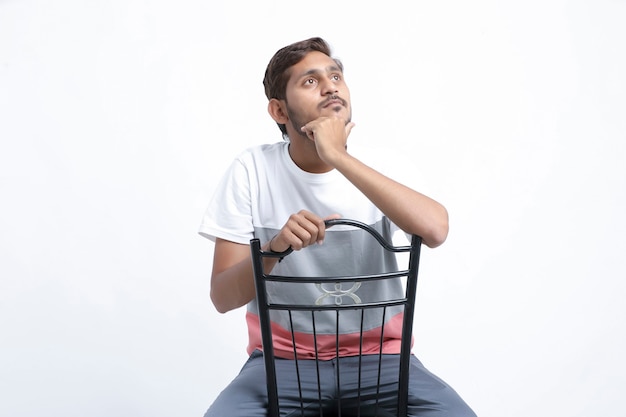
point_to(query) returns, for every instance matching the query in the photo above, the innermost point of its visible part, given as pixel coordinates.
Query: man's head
(278, 70)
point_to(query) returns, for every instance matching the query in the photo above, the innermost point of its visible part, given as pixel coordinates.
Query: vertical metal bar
(337, 361)
(266, 334)
(380, 359)
(295, 358)
(407, 326)
(359, 384)
(317, 365)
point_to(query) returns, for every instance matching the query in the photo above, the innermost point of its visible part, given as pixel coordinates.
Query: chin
(341, 111)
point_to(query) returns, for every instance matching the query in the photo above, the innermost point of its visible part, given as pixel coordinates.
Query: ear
(276, 109)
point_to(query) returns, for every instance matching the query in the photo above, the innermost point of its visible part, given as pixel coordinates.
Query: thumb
(332, 217)
(349, 127)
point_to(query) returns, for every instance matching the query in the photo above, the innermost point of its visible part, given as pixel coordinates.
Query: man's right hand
(302, 229)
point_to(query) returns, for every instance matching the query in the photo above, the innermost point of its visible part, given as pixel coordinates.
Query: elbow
(219, 305)
(437, 238)
(224, 301)
(437, 234)
(221, 310)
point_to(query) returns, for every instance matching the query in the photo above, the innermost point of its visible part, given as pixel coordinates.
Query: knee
(443, 403)
(457, 407)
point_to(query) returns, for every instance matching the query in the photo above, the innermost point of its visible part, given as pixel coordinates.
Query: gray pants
(246, 395)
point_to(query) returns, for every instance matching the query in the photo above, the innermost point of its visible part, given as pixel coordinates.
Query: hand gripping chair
(355, 400)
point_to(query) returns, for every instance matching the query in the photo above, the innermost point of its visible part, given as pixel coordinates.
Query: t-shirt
(254, 199)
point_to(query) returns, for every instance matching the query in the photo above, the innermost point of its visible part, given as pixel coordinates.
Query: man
(282, 193)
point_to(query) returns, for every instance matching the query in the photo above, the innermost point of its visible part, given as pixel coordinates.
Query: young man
(282, 193)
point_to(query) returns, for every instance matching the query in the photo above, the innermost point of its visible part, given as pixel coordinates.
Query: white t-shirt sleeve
(228, 215)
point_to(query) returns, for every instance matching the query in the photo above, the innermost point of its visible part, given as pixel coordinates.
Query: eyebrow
(314, 71)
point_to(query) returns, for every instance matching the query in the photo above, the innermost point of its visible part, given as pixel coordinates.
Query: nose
(329, 87)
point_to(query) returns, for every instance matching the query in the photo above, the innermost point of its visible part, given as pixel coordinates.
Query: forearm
(232, 281)
(233, 287)
(412, 211)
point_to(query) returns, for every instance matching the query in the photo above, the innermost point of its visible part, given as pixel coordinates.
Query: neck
(304, 154)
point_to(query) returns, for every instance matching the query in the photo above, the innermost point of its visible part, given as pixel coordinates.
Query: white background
(118, 117)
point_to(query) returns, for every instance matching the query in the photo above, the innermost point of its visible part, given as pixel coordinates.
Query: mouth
(333, 101)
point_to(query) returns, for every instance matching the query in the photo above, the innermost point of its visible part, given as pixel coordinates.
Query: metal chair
(361, 400)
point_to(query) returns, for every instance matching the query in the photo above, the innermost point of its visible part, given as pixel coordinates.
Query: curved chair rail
(348, 222)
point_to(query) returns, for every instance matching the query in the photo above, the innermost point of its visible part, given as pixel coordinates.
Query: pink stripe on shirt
(348, 343)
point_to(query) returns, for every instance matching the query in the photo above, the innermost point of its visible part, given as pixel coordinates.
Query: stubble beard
(297, 122)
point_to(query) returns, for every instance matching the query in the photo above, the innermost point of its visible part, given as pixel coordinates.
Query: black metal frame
(408, 302)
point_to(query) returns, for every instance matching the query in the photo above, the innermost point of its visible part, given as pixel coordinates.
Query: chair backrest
(332, 308)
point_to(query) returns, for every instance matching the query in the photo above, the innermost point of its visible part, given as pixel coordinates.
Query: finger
(322, 233)
(302, 230)
(349, 127)
(308, 131)
(332, 217)
(315, 226)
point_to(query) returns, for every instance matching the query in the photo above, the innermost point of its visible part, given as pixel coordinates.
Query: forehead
(312, 63)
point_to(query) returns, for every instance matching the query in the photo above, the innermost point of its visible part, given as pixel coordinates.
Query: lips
(333, 102)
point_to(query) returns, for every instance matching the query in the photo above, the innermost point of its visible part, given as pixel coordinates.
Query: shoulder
(256, 159)
(270, 151)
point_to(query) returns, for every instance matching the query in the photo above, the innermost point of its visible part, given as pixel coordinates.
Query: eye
(336, 77)
(310, 81)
